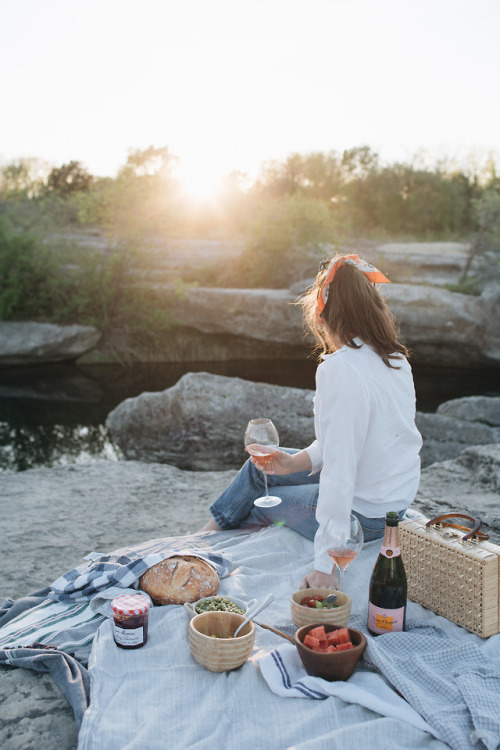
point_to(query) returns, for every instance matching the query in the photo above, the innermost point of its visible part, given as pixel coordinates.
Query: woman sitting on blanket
(365, 458)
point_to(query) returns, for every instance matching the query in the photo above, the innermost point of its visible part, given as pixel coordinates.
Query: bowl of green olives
(219, 603)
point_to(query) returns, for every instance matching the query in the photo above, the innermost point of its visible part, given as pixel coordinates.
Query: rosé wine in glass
(262, 441)
(263, 453)
(342, 544)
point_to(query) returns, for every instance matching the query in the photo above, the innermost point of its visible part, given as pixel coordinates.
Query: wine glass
(262, 441)
(342, 544)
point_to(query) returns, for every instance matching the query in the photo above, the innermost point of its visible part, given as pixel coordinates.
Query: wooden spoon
(278, 632)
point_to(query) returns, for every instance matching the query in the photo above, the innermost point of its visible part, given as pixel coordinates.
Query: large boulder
(446, 437)
(458, 423)
(483, 409)
(23, 343)
(199, 423)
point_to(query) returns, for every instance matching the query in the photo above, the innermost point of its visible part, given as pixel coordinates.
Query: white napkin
(285, 675)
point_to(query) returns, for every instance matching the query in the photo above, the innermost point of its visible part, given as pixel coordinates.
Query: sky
(230, 84)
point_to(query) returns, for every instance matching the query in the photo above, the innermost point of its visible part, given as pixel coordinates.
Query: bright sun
(201, 182)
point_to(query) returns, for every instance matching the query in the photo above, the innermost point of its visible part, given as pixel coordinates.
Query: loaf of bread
(178, 580)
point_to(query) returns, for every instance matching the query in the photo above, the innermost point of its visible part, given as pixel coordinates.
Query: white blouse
(367, 445)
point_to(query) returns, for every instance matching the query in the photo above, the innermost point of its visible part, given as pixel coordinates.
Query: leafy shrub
(486, 238)
(284, 241)
(97, 288)
(30, 277)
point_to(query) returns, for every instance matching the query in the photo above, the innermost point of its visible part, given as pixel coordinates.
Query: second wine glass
(262, 441)
(342, 545)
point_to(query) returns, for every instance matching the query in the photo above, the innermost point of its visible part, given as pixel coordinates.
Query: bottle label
(390, 551)
(126, 637)
(385, 620)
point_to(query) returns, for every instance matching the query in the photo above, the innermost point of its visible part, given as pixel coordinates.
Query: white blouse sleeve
(343, 423)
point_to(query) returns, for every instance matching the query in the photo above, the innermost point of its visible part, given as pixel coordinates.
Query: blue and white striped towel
(124, 567)
(451, 687)
(284, 673)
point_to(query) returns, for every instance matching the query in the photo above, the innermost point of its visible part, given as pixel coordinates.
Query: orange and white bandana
(371, 273)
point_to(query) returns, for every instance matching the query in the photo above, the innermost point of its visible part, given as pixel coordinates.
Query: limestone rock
(23, 343)
(35, 714)
(98, 506)
(483, 409)
(432, 263)
(470, 483)
(199, 423)
(263, 314)
(443, 327)
(440, 327)
(446, 437)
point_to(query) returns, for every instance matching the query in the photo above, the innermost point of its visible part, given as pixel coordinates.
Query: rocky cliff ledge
(440, 326)
(24, 343)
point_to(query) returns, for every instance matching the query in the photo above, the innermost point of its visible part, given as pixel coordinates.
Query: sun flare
(201, 183)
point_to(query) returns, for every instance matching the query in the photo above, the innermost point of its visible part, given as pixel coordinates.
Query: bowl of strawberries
(321, 606)
(329, 651)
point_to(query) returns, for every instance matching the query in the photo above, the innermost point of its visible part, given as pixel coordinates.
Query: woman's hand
(318, 580)
(285, 463)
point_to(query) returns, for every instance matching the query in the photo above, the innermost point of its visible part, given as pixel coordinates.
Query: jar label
(385, 620)
(390, 551)
(126, 637)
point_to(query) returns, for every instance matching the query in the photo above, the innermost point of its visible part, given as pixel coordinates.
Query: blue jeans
(297, 510)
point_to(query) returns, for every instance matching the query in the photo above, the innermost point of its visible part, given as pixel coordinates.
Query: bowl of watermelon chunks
(329, 651)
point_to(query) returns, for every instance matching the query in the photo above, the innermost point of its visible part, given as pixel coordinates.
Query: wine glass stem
(341, 579)
(265, 483)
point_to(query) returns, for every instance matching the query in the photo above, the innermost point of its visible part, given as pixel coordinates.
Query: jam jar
(130, 620)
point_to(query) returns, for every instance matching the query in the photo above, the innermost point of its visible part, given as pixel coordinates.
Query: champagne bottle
(388, 587)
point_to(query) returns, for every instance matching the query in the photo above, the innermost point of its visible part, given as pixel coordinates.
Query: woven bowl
(338, 665)
(308, 616)
(222, 653)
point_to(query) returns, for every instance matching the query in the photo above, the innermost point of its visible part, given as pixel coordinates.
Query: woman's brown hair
(354, 308)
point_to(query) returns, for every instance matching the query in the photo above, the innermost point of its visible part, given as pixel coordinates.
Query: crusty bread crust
(178, 580)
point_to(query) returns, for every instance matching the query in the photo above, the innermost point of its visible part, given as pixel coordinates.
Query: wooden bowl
(307, 615)
(222, 653)
(338, 665)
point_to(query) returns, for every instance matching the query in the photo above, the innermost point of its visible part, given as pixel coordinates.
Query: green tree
(22, 178)
(285, 241)
(29, 276)
(316, 175)
(486, 238)
(69, 178)
(140, 203)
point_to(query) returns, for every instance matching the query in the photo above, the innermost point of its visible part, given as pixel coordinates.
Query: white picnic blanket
(158, 697)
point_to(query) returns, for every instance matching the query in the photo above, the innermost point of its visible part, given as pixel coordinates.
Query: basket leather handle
(474, 532)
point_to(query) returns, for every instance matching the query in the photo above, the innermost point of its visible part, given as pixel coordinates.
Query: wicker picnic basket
(455, 574)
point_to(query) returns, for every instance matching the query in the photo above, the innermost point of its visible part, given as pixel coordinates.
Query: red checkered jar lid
(130, 604)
